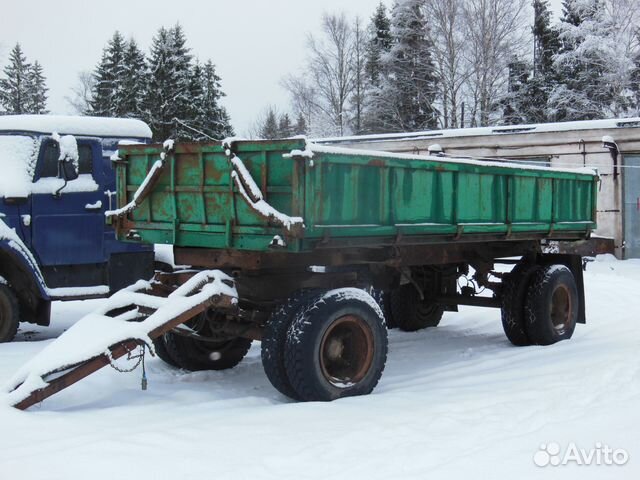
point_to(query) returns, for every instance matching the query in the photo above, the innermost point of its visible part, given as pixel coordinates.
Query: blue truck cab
(54, 241)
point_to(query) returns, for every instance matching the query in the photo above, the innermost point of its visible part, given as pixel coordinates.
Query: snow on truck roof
(75, 125)
(614, 123)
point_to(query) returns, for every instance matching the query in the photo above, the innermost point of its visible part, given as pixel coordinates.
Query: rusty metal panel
(353, 198)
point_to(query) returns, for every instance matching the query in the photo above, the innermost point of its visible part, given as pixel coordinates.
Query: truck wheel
(551, 308)
(383, 300)
(410, 313)
(274, 338)
(161, 351)
(336, 346)
(195, 355)
(514, 293)
(9, 314)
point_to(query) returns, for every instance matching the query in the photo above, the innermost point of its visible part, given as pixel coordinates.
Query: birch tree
(495, 34)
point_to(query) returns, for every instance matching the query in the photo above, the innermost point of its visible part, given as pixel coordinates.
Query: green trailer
(328, 247)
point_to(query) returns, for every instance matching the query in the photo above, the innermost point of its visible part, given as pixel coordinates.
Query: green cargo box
(246, 195)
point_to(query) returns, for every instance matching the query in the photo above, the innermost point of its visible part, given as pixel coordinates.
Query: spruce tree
(516, 102)
(269, 129)
(167, 101)
(530, 84)
(582, 91)
(285, 129)
(545, 38)
(135, 78)
(406, 99)
(109, 93)
(379, 43)
(14, 89)
(215, 119)
(37, 90)
(300, 128)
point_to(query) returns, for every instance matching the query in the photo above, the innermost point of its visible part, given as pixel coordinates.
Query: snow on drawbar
(97, 334)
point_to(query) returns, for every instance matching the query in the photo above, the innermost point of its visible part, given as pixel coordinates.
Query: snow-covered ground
(457, 401)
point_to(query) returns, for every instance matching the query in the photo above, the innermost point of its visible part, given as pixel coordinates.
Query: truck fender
(20, 270)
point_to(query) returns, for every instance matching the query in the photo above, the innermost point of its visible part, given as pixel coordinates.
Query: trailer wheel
(9, 314)
(336, 346)
(195, 355)
(161, 351)
(514, 294)
(274, 338)
(410, 313)
(384, 301)
(551, 307)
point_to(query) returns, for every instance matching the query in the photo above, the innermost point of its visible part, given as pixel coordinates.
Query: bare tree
(303, 98)
(496, 33)
(448, 31)
(359, 61)
(330, 79)
(82, 93)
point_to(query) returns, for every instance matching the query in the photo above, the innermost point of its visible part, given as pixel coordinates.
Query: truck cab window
(85, 162)
(49, 167)
(51, 155)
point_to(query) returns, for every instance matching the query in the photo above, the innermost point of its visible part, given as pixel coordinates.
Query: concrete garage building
(611, 146)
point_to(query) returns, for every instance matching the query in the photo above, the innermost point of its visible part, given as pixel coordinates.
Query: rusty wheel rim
(561, 309)
(346, 351)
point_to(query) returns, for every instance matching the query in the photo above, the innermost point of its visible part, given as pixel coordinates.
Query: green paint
(360, 200)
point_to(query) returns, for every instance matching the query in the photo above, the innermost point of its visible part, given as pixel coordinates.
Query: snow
(247, 179)
(94, 206)
(61, 292)
(265, 209)
(456, 160)
(96, 332)
(84, 183)
(168, 144)
(482, 131)
(18, 156)
(253, 196)
(158, 164)
(16, 243)
(306, 153)
(454, 402)
(76, 125)
(68, 148)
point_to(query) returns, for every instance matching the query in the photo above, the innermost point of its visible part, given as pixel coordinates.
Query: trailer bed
(294, 196)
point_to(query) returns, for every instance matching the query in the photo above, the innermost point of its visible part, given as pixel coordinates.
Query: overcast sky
(253, 43)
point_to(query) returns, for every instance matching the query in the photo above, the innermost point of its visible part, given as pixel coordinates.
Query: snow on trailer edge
(316, 148)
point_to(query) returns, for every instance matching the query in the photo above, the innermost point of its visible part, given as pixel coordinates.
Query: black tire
(336, 346)
(514, 295)
(161, 351)
(195, 355)
(9, 314)
(410, 313)
(551, 308)
(383, 300)
(274, 339)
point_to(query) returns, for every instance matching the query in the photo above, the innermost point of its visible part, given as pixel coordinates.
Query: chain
(139, 357)
(140, 361)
